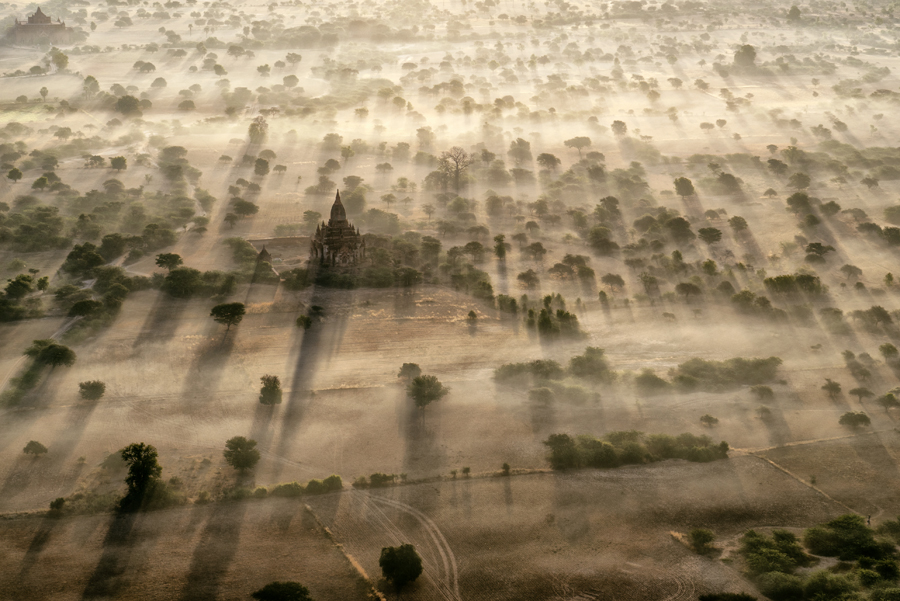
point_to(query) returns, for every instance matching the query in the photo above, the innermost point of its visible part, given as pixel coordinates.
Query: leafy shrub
(702, 374)
(632, 447)
(780, 587)
(779, 553)
(539, 369)
(287, 489)
(854, 420)
(92, 390)
(701, 540)
(825, 585)
(886, 594)
(847, 538)
(295, 279)
(378, 479)
(649, 383)
(34, 448)
(591, 365)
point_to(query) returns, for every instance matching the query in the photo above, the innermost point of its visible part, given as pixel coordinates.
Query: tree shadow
(109, 576)
(162, 320)
(543, 416)
(14, 423)
(313, 347)
(64, 444)
(507, 494)
(570, 508)
(405, 303)
(283, 513)
(748, 241)
(776, 425)
(20, 477)
(693, 206)
(35, 548)
(204, 376)
(502, 278)
(420, 429)
(214, 552)
(261, 429)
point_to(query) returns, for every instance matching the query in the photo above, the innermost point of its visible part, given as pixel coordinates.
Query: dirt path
(807, 484)
(445, 576)
(438, 559)
(797, 443)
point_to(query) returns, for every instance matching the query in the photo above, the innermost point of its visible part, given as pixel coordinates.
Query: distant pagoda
(39, 29)
(337, 243)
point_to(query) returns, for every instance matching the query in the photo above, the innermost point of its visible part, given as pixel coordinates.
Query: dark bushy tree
(143, 473)
(270, 393)
(228, 314)
(34, 448)
(684, 187)
(282, 591)
(92, 390)
(409, 371)
(426, 389)
(701, 540)
(48, 352)
(400, 565)
(241, 453)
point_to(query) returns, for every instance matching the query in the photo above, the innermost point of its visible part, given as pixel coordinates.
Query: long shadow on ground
(109, 576)
(35, 548)
(162, 319)
(215, 552)
(316, 345)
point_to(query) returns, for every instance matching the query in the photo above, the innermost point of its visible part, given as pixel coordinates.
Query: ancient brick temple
(337, 243)
(39, 29)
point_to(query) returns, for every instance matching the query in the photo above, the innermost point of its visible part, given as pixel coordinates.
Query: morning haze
(449, 300)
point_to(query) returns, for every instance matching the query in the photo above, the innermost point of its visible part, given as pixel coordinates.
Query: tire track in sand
(445, 576)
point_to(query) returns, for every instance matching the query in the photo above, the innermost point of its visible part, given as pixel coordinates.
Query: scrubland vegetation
(616, 255)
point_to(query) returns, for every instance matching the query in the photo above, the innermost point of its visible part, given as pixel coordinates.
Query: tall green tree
(144, 471)
(684, 187)
(168, 261)
(832, 388)
(409, 371)
(710, 235)
(49, 352)
(228, 314)
(578, 143)
(270, 393)
(425, 389)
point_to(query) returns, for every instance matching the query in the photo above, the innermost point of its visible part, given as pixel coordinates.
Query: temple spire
(338, 214)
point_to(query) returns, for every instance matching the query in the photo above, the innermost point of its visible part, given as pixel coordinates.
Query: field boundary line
(800, 443)
(807, 484)
(373, 592)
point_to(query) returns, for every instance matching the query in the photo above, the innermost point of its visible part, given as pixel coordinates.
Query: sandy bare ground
(174, 380)
(221, 551)
(589, 535)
